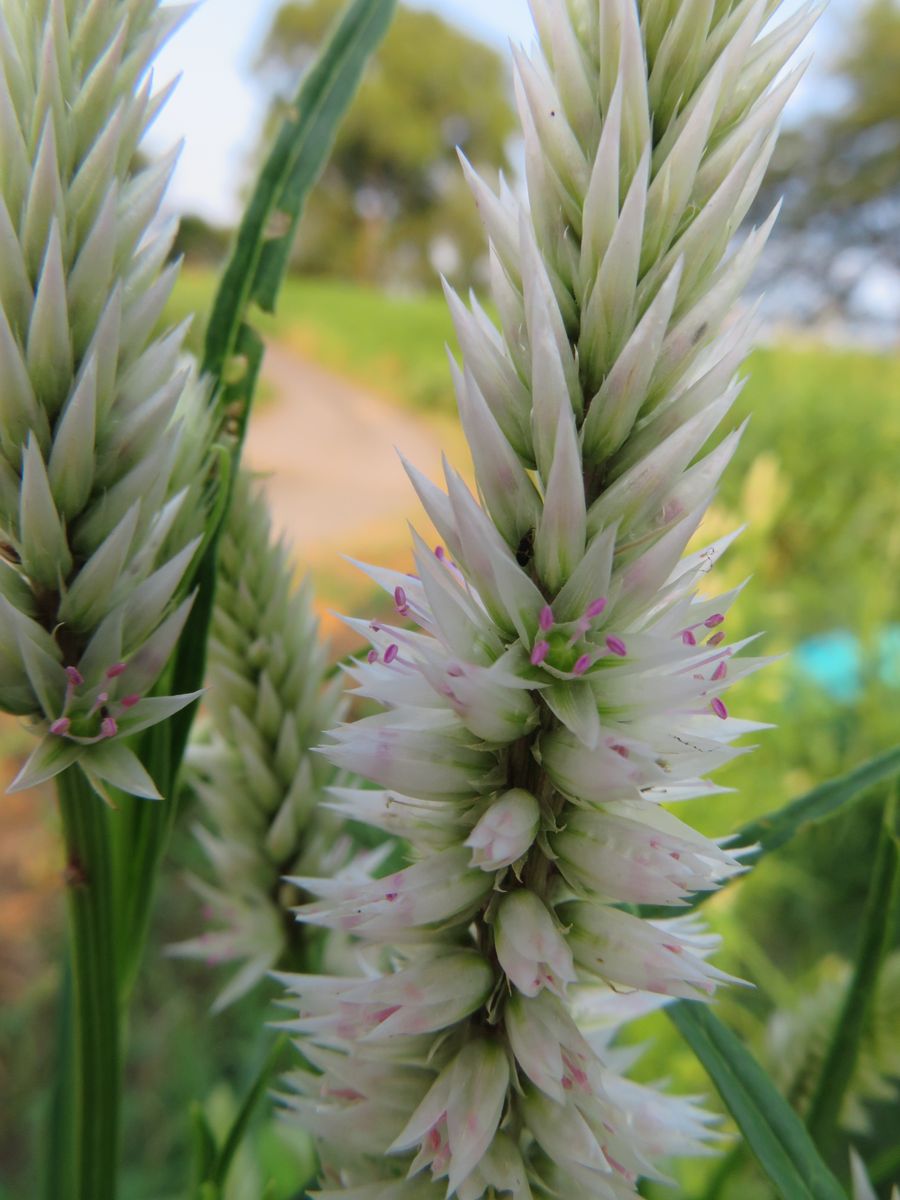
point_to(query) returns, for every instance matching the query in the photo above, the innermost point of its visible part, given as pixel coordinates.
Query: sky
(217, 109)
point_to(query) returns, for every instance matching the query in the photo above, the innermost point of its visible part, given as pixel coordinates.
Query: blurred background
(357, 367)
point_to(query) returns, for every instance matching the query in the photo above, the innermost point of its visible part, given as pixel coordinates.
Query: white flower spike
(565, 678)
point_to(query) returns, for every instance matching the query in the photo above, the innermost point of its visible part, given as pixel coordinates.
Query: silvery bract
(563, 658)
(100, 492)
(253, 771)
(862, 1186)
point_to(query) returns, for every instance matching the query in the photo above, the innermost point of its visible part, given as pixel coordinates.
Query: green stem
(843, 1052)
(93, 1108)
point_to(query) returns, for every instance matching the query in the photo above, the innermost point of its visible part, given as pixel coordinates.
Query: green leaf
(242, 1120)
(822, 803)
(770, 1127)
(843, 1051)
(203, 1156)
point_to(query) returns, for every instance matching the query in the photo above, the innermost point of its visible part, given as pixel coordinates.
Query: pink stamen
(401, 602)
(546, 618)
(455, 671)
(719, 709)
(75, 676)
(130, 701)
(596, 607)
(115, 671)
(390, 896)
(582, 665)
(688, 638)
(391, 653)
(714, 620)
(539, 653)
(440, 553)
(720, 672)
(61, 727)
(108, 727)
(716, 639)
(622, 751)
(616, 646)
(372, 656)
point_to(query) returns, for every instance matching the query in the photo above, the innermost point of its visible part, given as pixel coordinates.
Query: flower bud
(530, 946)
(506, 831)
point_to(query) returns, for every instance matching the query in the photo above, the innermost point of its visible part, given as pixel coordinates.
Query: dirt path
(328, 451)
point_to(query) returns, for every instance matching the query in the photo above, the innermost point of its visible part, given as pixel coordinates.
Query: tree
(391, 202)
(840, 172)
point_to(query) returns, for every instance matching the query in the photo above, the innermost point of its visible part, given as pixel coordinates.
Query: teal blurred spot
(836, 662)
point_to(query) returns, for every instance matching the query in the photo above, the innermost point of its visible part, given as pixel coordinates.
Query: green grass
(394, 344)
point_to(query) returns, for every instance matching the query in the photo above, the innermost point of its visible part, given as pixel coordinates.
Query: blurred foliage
(200, 243)
(839, 172)
(392, 203)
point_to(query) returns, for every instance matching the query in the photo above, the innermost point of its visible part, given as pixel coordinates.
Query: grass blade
(770, 1127)
(822, 803)
(843, 1051)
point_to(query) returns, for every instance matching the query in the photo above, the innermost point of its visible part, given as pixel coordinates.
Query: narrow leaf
(770, 1127)
(841, 1058)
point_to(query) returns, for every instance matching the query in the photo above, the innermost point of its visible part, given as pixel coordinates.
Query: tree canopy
(392, 202)
(840, 171)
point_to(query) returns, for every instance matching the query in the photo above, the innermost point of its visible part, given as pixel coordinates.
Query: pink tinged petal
(719, 709)
(480, 1082)
(530, 946)
(539, 653)
(616, 646)
(546, 618)
(506, 831)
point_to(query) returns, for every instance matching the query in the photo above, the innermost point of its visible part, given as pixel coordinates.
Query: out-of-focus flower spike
(259, 785)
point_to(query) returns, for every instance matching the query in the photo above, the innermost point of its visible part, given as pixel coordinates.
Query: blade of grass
(843, 1050)
(770, 1127)
(239, 1126)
